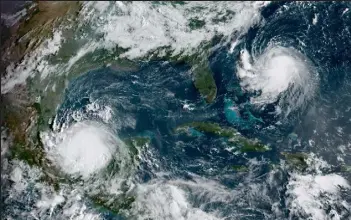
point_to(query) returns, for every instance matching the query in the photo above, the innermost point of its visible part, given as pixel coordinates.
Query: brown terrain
(19, 113)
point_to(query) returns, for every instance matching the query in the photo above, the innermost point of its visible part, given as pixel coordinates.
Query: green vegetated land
(233, 136)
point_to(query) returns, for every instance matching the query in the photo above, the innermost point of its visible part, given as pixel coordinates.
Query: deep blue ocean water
(154, 96)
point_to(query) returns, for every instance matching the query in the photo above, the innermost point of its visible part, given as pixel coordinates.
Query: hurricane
(83, 149)
(278, 74)
(176, 110)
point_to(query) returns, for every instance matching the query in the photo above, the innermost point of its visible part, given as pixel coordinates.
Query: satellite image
(174, 110)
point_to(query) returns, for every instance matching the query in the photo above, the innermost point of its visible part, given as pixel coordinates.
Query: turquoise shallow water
(154, 96)
(149, 102)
